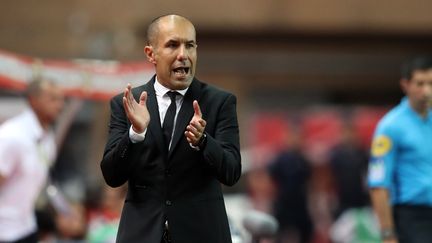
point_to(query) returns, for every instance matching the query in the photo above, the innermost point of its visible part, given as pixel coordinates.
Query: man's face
(419, 88)
(48, 103)
(174, 52)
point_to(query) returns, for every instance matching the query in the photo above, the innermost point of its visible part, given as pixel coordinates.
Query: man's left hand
(195, 129)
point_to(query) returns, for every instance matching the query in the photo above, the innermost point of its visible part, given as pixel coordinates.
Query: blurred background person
(72, 226)
(104, 218)
(400, 167)
(27, 150)
(348, 163)
(290, 172)
(352, 215)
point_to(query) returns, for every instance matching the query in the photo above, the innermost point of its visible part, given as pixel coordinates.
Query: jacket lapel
(185, 114)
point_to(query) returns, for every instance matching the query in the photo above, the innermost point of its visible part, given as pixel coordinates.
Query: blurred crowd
(93, 220)
(307, 168)
(310, 175)
(317, 192)
(313, 201)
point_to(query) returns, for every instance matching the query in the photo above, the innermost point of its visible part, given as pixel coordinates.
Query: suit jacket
(182, 185)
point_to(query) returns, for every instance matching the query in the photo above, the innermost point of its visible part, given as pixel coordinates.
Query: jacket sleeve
(117, 161)
(222, 152)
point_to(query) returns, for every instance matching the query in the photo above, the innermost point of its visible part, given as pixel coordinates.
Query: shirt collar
(162, 90)
(405, 103)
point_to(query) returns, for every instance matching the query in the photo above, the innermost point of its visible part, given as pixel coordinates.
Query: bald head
(46, 99)
(154, 27)
(35, 87)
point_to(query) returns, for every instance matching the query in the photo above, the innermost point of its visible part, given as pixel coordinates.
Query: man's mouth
(181, 70)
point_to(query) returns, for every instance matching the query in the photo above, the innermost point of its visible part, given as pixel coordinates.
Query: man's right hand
(137, 113)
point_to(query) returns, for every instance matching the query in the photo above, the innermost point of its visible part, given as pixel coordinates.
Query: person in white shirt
(27, 149)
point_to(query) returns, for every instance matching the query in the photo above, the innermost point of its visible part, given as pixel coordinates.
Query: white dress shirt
(163, 101)
(26, 152)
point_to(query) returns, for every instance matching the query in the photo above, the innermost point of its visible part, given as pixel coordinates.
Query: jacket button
(168, 203)
(123, 153)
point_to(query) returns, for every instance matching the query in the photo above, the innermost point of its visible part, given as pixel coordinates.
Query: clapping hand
(136, 112)
(195, 129)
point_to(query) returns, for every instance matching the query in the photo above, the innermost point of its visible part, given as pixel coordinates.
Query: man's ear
(404, 84)
(148, 50)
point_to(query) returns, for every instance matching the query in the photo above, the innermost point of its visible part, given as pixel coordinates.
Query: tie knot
(172, 95)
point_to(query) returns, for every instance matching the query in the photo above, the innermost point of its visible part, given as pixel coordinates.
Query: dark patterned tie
(168, 123)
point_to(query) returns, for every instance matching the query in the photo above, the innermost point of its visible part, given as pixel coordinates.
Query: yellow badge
(381, 145)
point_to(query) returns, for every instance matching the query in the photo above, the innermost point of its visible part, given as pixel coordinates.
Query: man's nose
(427, 91)
(182, 53)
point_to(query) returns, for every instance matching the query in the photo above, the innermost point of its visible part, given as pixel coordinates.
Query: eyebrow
(181, 40)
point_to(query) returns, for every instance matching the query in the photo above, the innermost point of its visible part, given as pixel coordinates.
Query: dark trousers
(413, 223)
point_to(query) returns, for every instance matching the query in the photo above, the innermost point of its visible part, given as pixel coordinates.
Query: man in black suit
(174, 140)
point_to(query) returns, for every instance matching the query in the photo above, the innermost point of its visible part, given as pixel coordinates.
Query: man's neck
(43, 123)
(420, 109)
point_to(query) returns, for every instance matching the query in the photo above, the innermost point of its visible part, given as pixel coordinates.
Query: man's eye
(172, 45)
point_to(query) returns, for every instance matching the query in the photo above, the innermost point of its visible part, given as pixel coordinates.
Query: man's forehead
(179, 39)
(177, 35)
(175, 29)
(422, 74)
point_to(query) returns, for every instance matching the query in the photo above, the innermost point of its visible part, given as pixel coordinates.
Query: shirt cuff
(201, 143)
(136, 137)
(196, 148)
